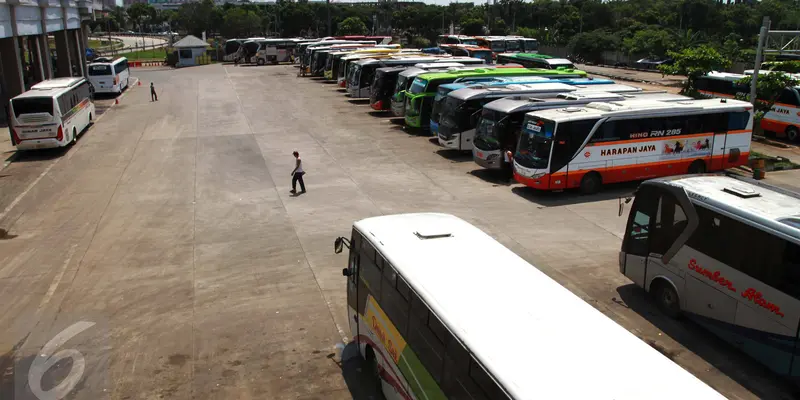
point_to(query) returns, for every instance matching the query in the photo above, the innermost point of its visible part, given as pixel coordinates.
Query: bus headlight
(538, 175)
(492, 157)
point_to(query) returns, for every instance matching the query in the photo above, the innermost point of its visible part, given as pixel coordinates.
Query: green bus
(419, 97)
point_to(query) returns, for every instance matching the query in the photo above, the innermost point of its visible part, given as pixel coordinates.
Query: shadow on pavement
(547, 198)
(362, 386)
(703, 343)
(494, 177)
(358, 101)
(453, 155)
(40, 155)
(380, 114)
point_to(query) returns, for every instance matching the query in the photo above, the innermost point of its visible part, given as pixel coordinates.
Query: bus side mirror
(622, 204)
(346, 272)
(339, 244)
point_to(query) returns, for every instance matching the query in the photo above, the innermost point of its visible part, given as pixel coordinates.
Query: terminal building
(27, 30)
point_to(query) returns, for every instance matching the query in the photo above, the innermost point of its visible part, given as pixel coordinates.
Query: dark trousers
(298, 177)
(153, 96)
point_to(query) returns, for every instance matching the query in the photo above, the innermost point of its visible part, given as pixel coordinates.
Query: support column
(63, 56)
(80, 41)
(37, 64)
(47, 61)
(12, 67)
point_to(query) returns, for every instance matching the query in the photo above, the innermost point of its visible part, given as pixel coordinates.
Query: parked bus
(231, 49)
(332, 65)
(274, 51)
(249, 49)
(529, 60)
(305, 58)
(496, 43)
(497, 130)
(466, 50)
(406, 78)
(585, 147)
(723, 252)
(456, 39)
(441, 310)
(461, 109)
(52, 114)
(109, 77)
(385, 81)
(319, 56)
(444, 90)
(516, 44)
(419, 98)
(783, 119)
(364, 71)
(348, 62)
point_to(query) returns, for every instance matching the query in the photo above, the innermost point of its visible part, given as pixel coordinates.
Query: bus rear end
(35, 122)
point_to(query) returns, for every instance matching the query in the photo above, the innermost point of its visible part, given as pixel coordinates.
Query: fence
(155, 42)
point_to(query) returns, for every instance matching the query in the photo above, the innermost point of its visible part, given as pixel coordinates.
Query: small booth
(191, 50)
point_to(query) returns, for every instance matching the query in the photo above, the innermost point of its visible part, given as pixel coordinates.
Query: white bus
(725, 252)
(783, 119)
(607, 142)
(441, 310)
(109, 77)
(52, 114)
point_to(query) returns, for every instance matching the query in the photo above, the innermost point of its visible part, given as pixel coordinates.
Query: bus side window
(423, 339)
(701, 83)
(788, 96)
(485, 382)
(790, 265)
(395, 306)
(738, 120)
(715, 123)
(637, 241)
(569, 139)
(712, 236)
(670, 222)
(456, 382)
(370, 270)
(355, 247)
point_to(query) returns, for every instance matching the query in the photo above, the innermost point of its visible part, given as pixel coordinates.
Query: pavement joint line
(328, 304)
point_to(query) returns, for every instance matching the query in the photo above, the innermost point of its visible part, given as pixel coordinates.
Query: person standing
(297, 174)
(153, 94)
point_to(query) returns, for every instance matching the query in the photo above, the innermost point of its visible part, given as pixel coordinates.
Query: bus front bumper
(535, 178)
(413, 121)
(490, 159)
(451, 143)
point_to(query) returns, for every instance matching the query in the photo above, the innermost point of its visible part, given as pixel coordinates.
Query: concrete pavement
(170, 226)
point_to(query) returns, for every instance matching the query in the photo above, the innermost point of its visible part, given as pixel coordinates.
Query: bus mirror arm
(339, 243)
(622, 204)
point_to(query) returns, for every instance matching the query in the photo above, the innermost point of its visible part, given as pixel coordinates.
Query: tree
(241, 23)
(140, 12)
(694, 63)
(499, 27)
(352, 26)
(420, 42)
(768, 88)
(652, 42)
(472, 26)
(591, 45)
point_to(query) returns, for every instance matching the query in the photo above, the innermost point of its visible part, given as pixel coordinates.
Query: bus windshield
(512, 45)
(418, 86)
(487, 133)
(400, 85)
(472, 42)
(97, 70)
(32, 105)
(498, 46)
(533, 150)
(484, 55)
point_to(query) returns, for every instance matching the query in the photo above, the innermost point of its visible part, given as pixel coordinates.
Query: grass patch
(150, 54)
(773, 163)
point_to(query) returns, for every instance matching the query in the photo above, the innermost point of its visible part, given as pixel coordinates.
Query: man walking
(297, 174)
(153, 94)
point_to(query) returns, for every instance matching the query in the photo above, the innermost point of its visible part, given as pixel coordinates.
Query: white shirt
(299, 166)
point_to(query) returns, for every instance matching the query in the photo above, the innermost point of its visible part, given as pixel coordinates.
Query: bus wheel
(260, 61)
(697, 167)
(666, 298)
(591, 182)
(792, 133)
(90, 117)
(74, 136)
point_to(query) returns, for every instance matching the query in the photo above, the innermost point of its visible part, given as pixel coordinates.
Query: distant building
(128, 3)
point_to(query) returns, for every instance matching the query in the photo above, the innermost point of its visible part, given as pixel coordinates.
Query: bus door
(568, 139)
(353, 283)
